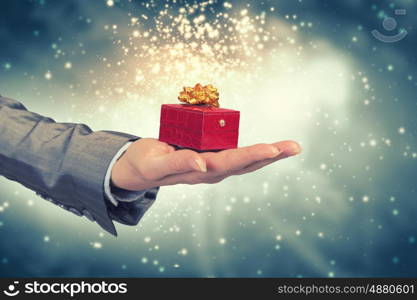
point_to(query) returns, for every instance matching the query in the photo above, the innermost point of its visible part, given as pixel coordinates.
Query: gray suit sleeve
(65, 163)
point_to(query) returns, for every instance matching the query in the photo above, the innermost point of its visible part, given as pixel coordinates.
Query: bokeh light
(344, 207)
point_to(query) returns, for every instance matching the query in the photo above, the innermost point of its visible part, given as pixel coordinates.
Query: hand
(149, 163)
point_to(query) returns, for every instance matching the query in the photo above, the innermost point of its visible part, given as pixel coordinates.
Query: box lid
(199, 118)
(201, 108)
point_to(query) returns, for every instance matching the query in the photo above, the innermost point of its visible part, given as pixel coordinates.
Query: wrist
(123, 174)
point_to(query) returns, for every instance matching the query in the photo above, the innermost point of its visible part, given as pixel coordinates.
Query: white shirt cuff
(107, 190)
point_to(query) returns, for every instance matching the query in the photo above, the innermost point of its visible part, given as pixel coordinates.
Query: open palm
(149, 163)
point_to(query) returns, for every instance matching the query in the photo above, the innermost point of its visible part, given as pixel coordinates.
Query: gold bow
(200, 95)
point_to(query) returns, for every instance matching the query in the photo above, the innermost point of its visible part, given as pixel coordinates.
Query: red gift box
(199, 127)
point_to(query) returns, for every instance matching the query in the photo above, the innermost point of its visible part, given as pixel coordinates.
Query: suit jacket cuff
(88, 166)
(127, 207)
(130, 212)
(107, 178)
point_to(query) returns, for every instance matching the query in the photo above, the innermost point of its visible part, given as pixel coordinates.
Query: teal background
(345, 207)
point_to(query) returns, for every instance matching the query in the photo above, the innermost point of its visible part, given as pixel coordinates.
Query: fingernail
(293, 149)
(275, 151)
(201, 165)
(296, 148)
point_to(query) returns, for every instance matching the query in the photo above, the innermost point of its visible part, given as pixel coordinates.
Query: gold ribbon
(200, 95)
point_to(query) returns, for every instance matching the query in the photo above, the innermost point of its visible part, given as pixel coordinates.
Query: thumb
(176, 162)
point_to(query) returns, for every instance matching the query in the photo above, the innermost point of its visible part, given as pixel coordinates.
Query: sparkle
(68, 65)
(401, 130)
(168, 48)
(48, 75)
(96, 245)
(136, 33)
(183, 252)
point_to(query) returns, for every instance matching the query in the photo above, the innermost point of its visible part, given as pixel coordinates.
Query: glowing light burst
(282, 85)
(184, 47)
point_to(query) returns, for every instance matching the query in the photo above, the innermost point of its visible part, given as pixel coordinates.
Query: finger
(193, 177)
(258, 165)
(174, 163)
(235, 159)
(170, 148)
(288, 149)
